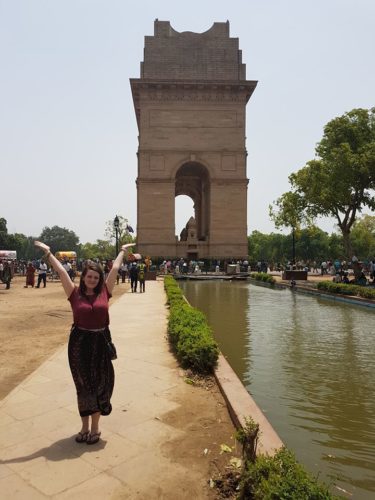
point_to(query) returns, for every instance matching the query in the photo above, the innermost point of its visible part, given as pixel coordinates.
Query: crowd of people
(37, 271)
(134, 271)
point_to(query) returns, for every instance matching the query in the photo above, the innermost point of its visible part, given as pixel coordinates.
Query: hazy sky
(68, 133)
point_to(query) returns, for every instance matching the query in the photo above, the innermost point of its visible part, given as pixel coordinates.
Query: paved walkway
(39, 458)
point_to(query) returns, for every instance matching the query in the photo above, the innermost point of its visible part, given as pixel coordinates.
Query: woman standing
(30, 275)
(89, 359)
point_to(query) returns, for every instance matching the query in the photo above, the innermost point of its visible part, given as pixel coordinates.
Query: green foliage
(289, 211)
(266, 278)
(363, 237)
(24, 245)
(340, 181)
(3, 225)
(311, 244)
(59, 238)
(102, 249)
(248, 436)
(280, 477)
(269, 247)
(189, 333)
(3, 234)
(123, 233)
(347, 289)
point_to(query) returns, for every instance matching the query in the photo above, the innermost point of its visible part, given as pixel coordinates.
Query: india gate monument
(190, 105)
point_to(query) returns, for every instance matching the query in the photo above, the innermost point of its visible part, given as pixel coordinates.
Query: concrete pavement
(39, 457)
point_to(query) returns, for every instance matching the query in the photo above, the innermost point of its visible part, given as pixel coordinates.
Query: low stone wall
(241, 405)
(294, 275)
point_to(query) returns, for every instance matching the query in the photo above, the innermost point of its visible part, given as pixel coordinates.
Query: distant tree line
(61, 238)
(311, 243)
(314, 244)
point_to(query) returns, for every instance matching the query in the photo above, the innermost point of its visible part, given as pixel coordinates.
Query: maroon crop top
(90, 312)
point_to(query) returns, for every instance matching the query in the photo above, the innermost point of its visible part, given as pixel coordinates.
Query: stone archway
(192, 179)
(190, 104)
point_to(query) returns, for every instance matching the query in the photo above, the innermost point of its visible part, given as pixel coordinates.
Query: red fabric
(30, 276)
(90, 312)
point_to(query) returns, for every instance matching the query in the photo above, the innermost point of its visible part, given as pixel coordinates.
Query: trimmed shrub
(189, 334)
(280, 476)
(266, 278)
(347, 289)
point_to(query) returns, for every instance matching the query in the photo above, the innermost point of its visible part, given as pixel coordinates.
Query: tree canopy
(59, 238)
(311, 244)
(123, 234)
(340, 181)
(363, 237)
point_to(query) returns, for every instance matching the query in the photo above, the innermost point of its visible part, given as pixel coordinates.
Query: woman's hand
(42, 246)
(128, 245)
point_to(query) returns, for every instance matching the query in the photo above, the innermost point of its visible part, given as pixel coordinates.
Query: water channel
(309, 363)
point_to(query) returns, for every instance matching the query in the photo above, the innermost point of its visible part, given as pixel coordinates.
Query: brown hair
(92, 266)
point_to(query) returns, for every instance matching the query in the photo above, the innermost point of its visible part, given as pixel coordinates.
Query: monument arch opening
(192, 179)
(184, 209)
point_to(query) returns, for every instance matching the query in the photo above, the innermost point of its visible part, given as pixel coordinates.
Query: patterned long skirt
(92, 371)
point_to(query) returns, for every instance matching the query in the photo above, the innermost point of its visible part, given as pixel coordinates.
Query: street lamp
(116, 225)
(293, 247)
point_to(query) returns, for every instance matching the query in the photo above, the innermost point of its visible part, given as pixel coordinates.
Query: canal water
(309, 363)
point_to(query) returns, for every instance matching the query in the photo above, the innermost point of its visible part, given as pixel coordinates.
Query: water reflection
(310, 365)
(225, 307)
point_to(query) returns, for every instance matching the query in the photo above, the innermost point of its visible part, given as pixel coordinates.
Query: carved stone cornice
(190, 91)
(168, 180)
(189, 152)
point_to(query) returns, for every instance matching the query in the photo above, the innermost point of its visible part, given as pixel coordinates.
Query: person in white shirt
(123, 271)
(42, 274)
(67, 266)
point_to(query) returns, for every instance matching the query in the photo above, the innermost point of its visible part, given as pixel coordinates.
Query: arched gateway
(190, 105)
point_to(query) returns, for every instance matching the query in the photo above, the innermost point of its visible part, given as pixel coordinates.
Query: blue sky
(68, 134)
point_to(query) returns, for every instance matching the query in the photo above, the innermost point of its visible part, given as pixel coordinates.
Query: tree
(24, 245)
(59, 238)
(363, 237)
(340, 181)
(288, 211)
(3, 234)
(123, 233)
(269, 247)
(313, 244)
(102, 250)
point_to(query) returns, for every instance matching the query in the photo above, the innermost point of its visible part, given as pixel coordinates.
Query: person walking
(141, 277)
(133, 273)
(123, 271)
(6, 275)
(89, 358)
(42, 274)
(30, 275)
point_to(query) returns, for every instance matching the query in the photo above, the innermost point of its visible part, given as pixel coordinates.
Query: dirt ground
(34, 323)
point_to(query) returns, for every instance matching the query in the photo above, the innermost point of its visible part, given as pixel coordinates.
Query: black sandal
(93, 438)
(82, 437)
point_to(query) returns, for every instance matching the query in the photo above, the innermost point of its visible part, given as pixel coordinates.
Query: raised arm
(56, 264)
(111, 279)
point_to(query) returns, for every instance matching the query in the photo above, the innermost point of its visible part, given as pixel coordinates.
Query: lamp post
(293, 247)
(116, 225)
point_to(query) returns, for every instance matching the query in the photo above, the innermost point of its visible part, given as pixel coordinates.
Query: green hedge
(189, 333)
(347, 289)
(266, 278)
(280, 476)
